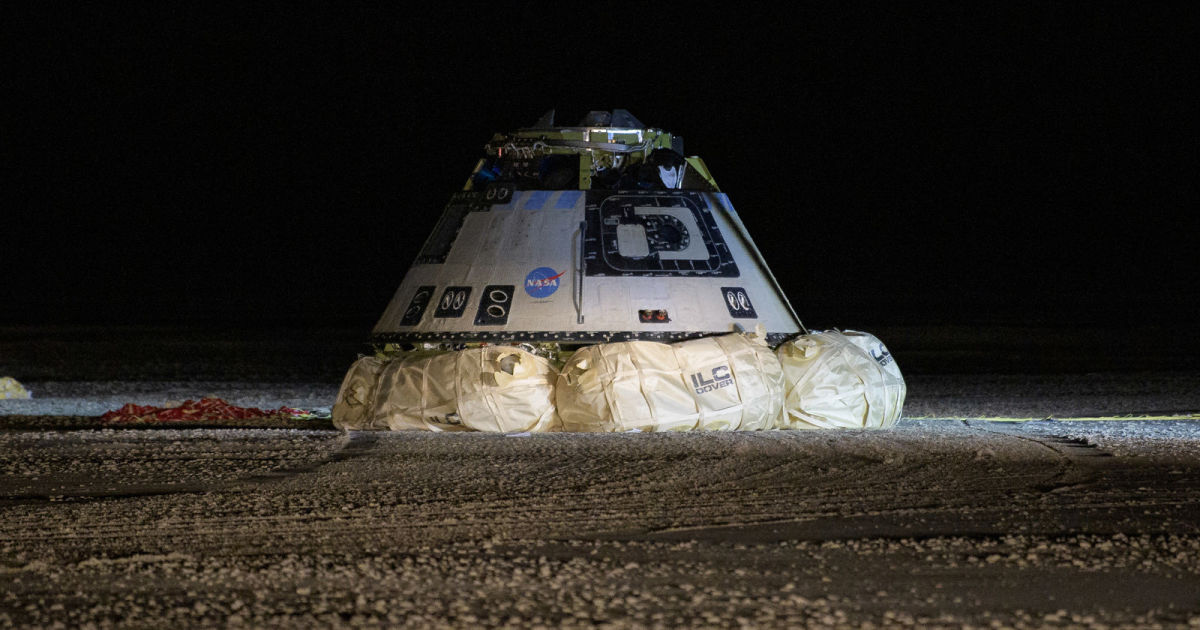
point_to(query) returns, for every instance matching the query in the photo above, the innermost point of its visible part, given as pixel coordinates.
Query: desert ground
(953, 518)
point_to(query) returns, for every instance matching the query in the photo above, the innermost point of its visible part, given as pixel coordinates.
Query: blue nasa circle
(542, 282)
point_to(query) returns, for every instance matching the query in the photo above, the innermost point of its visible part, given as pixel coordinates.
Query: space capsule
(586, 278)
(573, 235)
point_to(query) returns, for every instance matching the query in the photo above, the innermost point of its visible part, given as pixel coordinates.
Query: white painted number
(738, 301)
(453, 300)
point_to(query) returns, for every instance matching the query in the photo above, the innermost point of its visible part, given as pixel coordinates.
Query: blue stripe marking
(567, 200)
(536, 200)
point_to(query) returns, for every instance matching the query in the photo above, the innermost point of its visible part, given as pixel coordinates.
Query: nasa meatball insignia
(542, 282)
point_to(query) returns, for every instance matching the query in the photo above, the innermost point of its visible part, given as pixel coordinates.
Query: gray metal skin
(573, 267)
(511, 264)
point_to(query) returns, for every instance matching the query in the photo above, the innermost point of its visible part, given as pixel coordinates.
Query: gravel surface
(933, 524)
(94, 398)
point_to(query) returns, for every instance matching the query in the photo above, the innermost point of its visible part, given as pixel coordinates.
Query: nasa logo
(542, 282)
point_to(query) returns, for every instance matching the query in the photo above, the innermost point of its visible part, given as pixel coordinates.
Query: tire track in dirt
(350, 446)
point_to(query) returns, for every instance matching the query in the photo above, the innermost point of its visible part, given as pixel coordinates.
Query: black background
(1026, 164)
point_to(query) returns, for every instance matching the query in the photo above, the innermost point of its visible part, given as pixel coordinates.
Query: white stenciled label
(717, 378)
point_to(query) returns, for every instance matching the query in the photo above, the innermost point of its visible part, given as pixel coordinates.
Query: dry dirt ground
(945, 522)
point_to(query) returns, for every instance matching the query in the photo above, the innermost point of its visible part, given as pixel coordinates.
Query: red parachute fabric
(206, 410)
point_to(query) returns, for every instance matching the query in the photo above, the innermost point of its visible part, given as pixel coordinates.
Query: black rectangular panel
(495, 304)
(454, 302)
(416, 307)
(654, 233)
(437, 246)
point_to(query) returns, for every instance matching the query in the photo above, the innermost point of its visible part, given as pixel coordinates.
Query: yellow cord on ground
(1122, 418)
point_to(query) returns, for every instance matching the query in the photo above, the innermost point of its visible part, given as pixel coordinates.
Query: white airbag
(493, 388)
(732, 382)
(840, 380)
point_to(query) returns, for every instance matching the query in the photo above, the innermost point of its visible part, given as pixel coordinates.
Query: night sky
(895, 165)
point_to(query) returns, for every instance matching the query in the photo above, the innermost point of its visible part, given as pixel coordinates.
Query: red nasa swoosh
(541, 282)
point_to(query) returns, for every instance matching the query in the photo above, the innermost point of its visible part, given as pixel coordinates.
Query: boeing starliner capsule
(593, 278)
(566, 236)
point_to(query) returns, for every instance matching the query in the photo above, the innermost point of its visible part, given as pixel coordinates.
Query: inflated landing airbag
(493, 388)
(732, 382)
(728, 383)
(840, 380)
